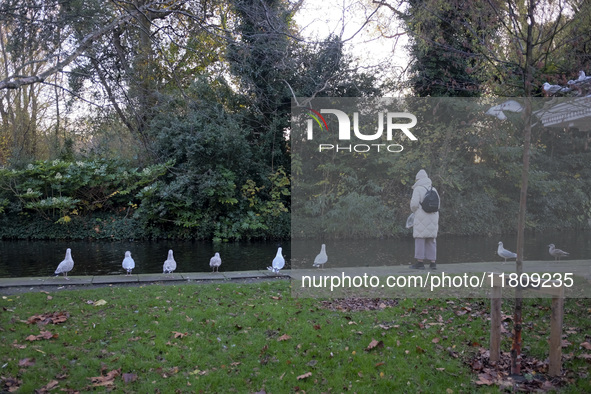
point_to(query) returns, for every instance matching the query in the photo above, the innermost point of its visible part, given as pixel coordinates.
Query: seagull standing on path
(169, 264)
(557, 253)
(321, 258)
(66, 265)
(128, 263)
(504, 253)
(278, 262)
(215, 262)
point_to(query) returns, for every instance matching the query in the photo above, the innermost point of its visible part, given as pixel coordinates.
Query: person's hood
(422, 179)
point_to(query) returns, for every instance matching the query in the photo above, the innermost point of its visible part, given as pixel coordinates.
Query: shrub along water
(109, 199)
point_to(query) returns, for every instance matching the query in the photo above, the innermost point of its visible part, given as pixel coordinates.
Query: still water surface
(40, 258)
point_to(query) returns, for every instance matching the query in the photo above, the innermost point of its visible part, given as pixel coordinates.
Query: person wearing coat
(425, 225)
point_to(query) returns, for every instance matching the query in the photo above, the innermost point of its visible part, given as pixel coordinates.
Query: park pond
(40, 258)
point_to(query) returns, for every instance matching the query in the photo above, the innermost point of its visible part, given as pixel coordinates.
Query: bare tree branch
(16, 81)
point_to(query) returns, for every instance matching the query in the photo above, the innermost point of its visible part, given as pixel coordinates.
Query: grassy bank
(253, 337)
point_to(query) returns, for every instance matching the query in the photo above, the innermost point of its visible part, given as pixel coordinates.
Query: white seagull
(66, 265)
(215, 262)
(278, 262)
(169, 264)
(582, 77)
(551, 89)
(321, 258)
(128, 263)
(510, 105)
(504, 253)
(557, 253)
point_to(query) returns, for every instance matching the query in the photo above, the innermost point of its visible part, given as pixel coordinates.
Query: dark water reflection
(40, 258)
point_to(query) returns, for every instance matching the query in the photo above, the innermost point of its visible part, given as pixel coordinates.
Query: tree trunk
(527, 125)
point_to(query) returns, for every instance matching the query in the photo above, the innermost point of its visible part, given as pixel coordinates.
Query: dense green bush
(107, 199)
(73, 199)
(218, 187)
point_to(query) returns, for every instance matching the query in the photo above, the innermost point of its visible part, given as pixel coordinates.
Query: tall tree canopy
(201, 87)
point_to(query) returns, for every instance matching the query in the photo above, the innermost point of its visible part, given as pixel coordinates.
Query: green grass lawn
(248, 338)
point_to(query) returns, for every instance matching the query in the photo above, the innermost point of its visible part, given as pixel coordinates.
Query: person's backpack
(430, 202)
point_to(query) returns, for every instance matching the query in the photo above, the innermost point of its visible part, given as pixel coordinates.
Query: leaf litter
(533, 376)
(47, 318)
(358, 304)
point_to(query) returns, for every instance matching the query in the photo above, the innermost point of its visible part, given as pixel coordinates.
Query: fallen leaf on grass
(48, 387)
(565, 343)
(47, 335)
(452, 353)
(586, 345)
(129, 377)
(374, 344)
(283, 337)
(42, 335)
(16, 345)
(476, 365)
(100, 303)
(11, 385)
(107, 380)
(304, 376)
(26, 362)
(484, 378)
(358, 304)
(435, 340)
(46, 318)
(179, 334)
(169, 372)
